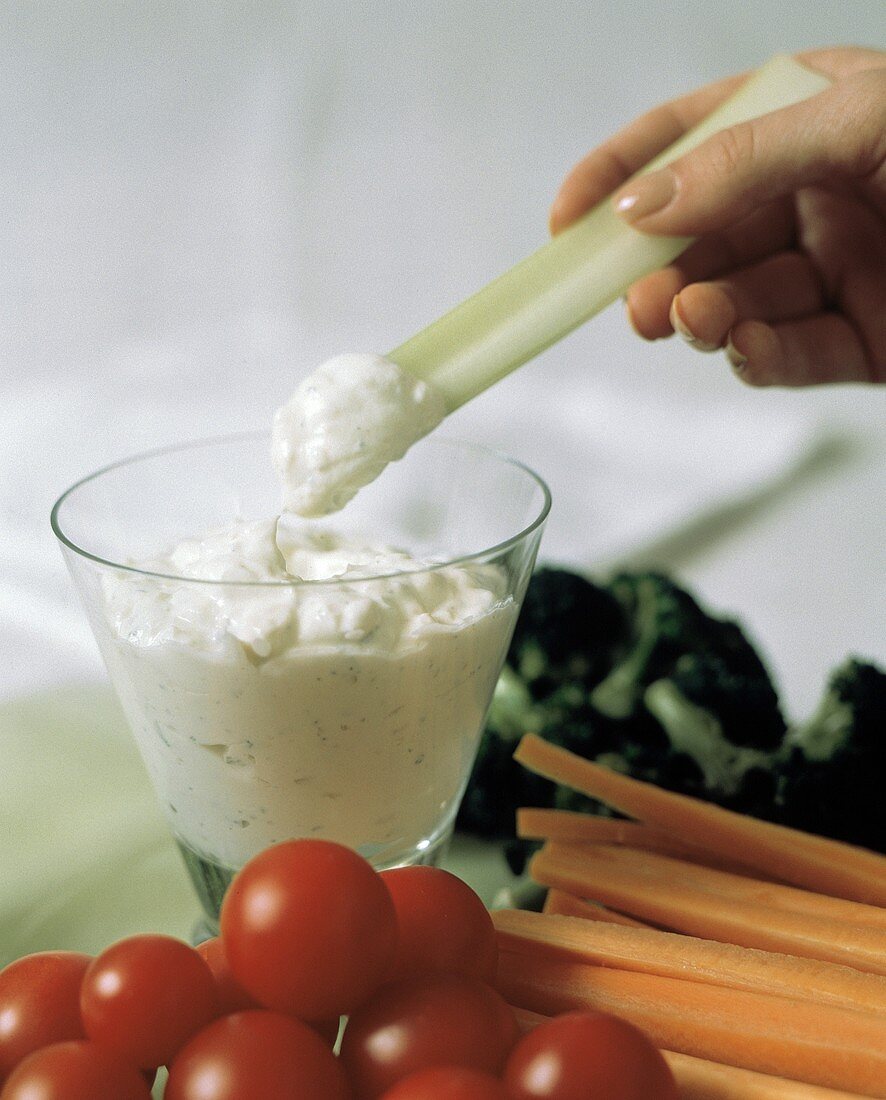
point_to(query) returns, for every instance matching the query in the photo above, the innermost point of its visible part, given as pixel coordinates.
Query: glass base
(211, 880)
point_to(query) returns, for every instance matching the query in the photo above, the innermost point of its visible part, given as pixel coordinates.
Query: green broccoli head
(735, 689)
(723, 729)
(565, 631)
(635, 675)
(830, 779)
(665, 624)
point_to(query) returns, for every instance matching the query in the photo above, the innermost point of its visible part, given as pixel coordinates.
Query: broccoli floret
(664, 622)
(635, 675)
(720, 720)
(565, 631)
(666, 625)
(831, 777)
(736, 690)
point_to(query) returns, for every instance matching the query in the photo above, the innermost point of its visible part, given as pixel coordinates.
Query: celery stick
(579, 272)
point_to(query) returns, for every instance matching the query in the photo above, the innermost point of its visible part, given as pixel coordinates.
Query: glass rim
(243, 437)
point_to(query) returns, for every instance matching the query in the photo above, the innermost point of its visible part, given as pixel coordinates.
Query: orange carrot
(827, 866)
(699, 1079)
(725, 884)
(535, 823)
(650, 951)
(654, 896)
(814, 1043)
(559, 903)
(575, 826)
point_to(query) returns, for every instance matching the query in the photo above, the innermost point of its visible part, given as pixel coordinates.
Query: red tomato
(145, 996)
(309, 928)
(77, 1070)
(433, 1020)
(257, 1054)
(583, 1054)
(448, 1083)
(231, 996)
(442, 924)
(39, 1004)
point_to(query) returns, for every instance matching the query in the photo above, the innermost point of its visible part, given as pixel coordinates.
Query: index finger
(610, 164)
(607, 167)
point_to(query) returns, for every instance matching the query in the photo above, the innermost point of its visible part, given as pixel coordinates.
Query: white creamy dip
(346, 421)
(344, 707)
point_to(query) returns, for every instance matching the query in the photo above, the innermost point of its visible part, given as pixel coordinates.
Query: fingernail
(736, 359)
(646, 195)
(554, 215)
(678, 324)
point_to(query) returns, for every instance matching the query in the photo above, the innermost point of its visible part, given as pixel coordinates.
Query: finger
(784, 287)
(809, 352)
(841, 61)
(836, 135)
(771, 229)
(849, 240)
(608, 166)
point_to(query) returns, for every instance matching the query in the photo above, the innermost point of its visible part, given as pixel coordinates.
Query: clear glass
(349, 738)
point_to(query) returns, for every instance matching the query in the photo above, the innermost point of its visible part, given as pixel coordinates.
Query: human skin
(788, 269)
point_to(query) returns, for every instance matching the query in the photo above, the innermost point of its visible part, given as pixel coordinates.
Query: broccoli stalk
(698, 733)
(664, 622)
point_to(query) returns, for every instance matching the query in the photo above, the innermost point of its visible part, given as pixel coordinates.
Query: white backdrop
(202, 200)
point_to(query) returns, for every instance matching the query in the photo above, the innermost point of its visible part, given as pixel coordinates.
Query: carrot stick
(699, 1079)
(649, 951)
(578, 827)
(814, 1043)
(560, 903)
(827, 866)
(656, 898)
(535, 823)
(574, 826)
(725, 884)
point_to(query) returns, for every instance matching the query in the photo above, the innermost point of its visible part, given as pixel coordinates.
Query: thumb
(837, 135)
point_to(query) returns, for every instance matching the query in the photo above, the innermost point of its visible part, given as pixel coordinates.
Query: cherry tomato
(309, 928)
(256, 1054)
(39, 1004)
(448, 1083)
(582, 1054)
(145, 996)
(442, 924)
(232, 997)
(78, 1070)
(432, 1020)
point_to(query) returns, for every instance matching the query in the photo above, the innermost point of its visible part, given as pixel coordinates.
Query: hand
(789, 269)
